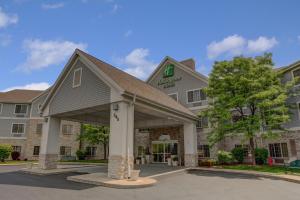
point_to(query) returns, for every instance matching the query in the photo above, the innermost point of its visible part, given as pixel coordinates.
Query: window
(67, 129)
(141, 151)
(65, 151)
(39, 128)
(296, 74)
(174, 96)
(77, 77)
(203, 151)
(91, 151)
(245, 147)
(18, 129)
(21, 109)
(17, 149)
(194, 96)
(1, 106)
(36, 150)
(202, 122)
(278, 150)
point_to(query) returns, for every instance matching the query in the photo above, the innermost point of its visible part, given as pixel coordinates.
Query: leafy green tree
(95, 135)
(5, 151)
(248, 99)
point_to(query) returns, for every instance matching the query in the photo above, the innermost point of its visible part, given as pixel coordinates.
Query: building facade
(164, 116)
(21, 125)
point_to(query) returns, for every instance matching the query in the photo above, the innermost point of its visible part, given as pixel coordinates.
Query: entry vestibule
(162, 150)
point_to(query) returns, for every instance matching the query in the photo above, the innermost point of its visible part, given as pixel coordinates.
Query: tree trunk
(252, 149)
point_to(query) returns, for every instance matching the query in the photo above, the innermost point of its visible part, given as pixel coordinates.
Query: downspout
(128, 163)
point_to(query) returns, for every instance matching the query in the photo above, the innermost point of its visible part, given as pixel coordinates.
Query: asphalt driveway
(192, 185)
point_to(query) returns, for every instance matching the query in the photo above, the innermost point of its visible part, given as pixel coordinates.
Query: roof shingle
(19, 96)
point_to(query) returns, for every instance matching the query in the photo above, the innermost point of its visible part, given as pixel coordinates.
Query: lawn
(17, 162)
(264, 168)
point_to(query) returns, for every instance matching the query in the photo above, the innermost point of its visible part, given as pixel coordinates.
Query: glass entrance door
(162, 150)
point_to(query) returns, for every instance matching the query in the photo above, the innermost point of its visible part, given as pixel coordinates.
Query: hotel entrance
(162, 150)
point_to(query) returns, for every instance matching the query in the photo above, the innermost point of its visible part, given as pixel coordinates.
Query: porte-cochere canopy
(91, 91)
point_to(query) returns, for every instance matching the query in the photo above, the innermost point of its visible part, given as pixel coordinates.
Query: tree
(248, 99)
(5, 151)
(95, 135)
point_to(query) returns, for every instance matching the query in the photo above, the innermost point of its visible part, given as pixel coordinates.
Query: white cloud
(31, 86)
(261, 44)
(115, 8)
(230, 45)
(128, 33)
(235, 45)
(5, 40)
(7, 19)
(137, 63)
(53, 5)
(42, 54)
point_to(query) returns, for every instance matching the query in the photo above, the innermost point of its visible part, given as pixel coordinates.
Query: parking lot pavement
(193, 185)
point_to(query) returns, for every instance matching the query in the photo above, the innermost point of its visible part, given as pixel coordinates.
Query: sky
(38, 37)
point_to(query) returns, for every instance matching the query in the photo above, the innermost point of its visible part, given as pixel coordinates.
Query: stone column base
(190, 160)
(48, 161)
(118, 167)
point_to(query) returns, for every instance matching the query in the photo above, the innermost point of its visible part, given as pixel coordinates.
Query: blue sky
(37, 37)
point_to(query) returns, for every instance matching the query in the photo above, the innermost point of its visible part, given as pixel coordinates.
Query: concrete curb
(169, 173)
(118, 184)
(16, 164)
(76, 163)
(285, 177)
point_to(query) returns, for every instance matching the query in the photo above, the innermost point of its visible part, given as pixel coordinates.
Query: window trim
(187, 98)
(21, 113)
(33, 153)
(281, 149)
(12, 125)
(292, 71)
(76, 70)
(68, 125)
(173, 94)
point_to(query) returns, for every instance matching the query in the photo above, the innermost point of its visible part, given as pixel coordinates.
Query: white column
(49, 143)
(121, 140)
(190, 145)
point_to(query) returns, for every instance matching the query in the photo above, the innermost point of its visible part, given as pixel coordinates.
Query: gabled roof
(181, 65)
(128, 84)
(289, 67)
(19, 96)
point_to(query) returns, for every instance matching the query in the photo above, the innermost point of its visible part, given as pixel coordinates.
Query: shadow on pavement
(57, 181)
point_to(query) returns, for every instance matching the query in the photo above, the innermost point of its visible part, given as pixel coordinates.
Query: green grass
(264, 168)
(85, 161)
(15, 162)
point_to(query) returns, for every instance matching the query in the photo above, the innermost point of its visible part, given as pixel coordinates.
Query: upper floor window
(77, 77)
(194, 96)
(202, 122)
(174, 96)
(67, 129)
(21, 109)
(296, 74)
(18, 129)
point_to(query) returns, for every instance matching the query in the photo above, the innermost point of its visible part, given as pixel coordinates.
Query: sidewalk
(286, 177)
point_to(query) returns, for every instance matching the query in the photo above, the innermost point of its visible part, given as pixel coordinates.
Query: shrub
(261, 155)
(15, 155)
(80, 154)
(238, 154)
(5, 151)
(224, 157)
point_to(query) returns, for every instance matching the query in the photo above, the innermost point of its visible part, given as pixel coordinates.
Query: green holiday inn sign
(168, 79)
